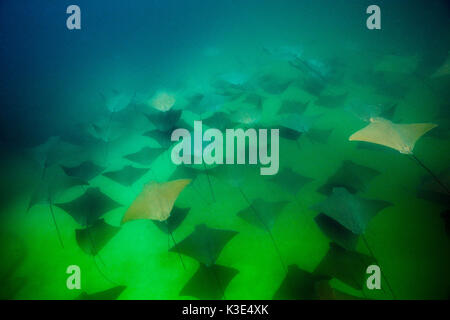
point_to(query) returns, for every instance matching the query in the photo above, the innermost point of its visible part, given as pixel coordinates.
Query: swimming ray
(93, 238)
(347, 266)
(51, 185)
(89, 207)
(162, 137)
(351, 211)
(202, 104)
(176, 217)
(54, 151)
(292, 126)
(262, 214)
(209, 282)
(400, 137)
(164, 120)
(293, 107)
(204, 244)
(289, 180)
(331, 101)
(86, 171)
(319, 135)
(336, 232)
(145, 156)
(430, 190)
(298, 285)
(219, 120)
(126, 176)
(110, 294)
(156, 201)
(274, 85)
(352, 176)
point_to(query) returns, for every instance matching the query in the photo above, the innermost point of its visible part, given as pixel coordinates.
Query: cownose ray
(175, 219)
(109, 294)
(164, 120)
(352, 176)
(163, 134)
(345, 265)
(126, 176)
(162, 137)
(298, 284)
(89, 207)
(293, 107)
(431, 191)
(331, 100)
(52, 184)
(349, 210)
(53, 151)
(93, 238)
(193, 170)
(267, 213)
(289, 180)
(205, 244)
(273, 84)
(263, 214)
(400, 137)
(366, 111)
(86, 171)
(155, 202)
(292, 126)
(145, 156)
(344, 217)
(209, 282)
(203, 104)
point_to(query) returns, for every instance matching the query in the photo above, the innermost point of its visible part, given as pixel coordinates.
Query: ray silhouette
(273, 84)
(110, 294)
(93, 238)
(204, 244)
(266, 216)
(293, 107)
(351, 211)
(336, 232)
(400, 137)
(53, 182)
(176, 217)
(332, 101)
(85, 171)
(344, 217)
(347, 266)
(352, 176)
(298, 285)
(209, 282)
(156, 202)
(145, 156)
(89, 207)
(162, 137)
(126, 176)
(164, 120)
(289, 180)
(263, 215)
(430, 190)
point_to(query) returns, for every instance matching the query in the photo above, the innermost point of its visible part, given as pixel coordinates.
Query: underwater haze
(88, 182)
